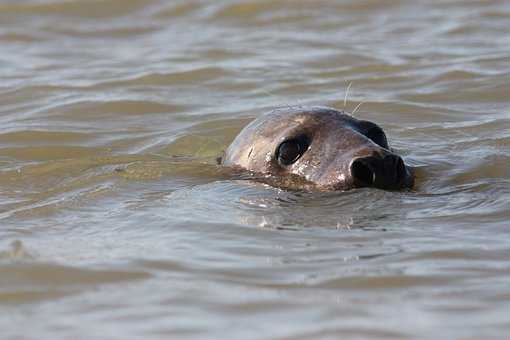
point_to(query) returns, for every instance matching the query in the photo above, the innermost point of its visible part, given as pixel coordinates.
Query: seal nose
(386, 172)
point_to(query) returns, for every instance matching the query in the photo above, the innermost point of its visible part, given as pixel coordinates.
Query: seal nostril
(362, 172)
(400, 169)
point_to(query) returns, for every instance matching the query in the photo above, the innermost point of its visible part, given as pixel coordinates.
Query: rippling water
(115, 221)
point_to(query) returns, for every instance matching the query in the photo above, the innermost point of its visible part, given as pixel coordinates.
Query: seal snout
(385, 172)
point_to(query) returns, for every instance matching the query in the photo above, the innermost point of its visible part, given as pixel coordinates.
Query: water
(115, 221)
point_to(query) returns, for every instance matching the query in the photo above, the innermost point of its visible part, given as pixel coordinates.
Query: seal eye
(291, 150)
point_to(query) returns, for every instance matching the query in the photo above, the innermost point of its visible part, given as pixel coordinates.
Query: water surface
(115, 221)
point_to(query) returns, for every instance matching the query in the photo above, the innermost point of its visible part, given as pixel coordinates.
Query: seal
(317, 148)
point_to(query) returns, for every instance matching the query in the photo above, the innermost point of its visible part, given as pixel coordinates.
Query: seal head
(318, 148)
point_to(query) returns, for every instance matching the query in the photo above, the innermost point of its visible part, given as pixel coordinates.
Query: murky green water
(115, 221)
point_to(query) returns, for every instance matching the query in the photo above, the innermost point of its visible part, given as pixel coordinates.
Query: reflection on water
(114, 212)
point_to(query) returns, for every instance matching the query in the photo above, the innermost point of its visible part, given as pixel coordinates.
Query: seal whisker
(356, 108)
(347, 93)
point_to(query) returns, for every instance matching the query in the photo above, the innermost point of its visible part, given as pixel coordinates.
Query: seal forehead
(302, 117)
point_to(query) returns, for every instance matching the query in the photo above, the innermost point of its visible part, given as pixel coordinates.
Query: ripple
(177, 10)
(386, 282)
(96, 9)
(16, 252)
(160, 79)
(92, 109)
(24, 137)
(45, 153)
(29, 282)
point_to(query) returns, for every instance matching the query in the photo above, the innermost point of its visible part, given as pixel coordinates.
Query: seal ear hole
(291, 150)
(375, 134)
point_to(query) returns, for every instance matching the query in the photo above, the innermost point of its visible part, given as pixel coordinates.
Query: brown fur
(336, 140)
